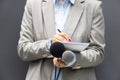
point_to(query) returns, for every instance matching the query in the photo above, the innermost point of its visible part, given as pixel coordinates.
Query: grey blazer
(85, 23)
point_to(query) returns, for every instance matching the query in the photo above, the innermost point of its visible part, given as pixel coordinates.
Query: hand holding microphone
(62, 58)
(68, 59)
(59, 63)
(57, 50)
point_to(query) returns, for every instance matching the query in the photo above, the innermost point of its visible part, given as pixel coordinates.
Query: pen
(59, 31)
(69, 40)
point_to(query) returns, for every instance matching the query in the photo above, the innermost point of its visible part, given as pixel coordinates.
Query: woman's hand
(59, 63)
(60, 37)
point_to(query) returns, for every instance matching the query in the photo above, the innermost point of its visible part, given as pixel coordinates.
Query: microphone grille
(57, 49)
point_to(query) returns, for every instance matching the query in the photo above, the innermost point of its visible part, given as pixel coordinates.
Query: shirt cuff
(48, 48)
(69, 57)
(48, 44)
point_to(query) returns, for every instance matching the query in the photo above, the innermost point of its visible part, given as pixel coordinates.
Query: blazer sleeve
(28, 48)
(94, 54)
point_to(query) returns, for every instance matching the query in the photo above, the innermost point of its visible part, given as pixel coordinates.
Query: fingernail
(69, 40)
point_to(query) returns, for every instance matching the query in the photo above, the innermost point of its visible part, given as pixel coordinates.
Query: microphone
(57, 49)
(69, 57)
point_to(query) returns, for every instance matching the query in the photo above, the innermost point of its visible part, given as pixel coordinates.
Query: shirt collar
(72, 1)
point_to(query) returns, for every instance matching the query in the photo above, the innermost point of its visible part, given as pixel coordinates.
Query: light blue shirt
(61, 13)
(61, 10)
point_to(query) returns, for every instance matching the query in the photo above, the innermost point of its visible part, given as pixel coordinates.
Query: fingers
(59, 63)
(60, 37)
(55, 40)
(64, 35)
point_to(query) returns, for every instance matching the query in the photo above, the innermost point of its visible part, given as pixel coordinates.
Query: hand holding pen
(69, 40)
(61, 37)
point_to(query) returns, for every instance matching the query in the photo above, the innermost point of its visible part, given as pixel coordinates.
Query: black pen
(59, 30)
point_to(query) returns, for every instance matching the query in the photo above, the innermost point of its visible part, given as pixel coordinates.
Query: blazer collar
(71, 22)
(70, 0)
(74, 17)
(48, 17)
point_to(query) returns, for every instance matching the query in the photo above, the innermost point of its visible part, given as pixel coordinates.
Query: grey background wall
(13, 68)
(110, 69)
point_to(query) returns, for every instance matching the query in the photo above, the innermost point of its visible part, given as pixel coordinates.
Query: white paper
(75, 46)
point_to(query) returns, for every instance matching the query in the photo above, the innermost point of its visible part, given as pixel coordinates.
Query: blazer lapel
(73, 17)
(48, 17)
